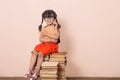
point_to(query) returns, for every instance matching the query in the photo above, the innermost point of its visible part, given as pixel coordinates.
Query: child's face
(49, 20)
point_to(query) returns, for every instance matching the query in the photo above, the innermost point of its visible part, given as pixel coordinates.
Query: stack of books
(59, 57)
(49, 71)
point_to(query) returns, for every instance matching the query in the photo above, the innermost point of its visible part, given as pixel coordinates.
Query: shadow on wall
(66, 45)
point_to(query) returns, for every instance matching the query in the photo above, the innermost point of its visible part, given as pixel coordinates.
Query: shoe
(35, 76)
(28, 75)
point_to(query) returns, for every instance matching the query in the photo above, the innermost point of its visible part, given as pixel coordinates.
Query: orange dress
(49, 47)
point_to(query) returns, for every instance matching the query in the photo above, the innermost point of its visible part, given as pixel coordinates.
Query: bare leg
(39, 62)
(38, 65)
(33, 60)
(32, 63)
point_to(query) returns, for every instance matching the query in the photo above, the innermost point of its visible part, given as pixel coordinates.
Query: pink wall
(90, 34)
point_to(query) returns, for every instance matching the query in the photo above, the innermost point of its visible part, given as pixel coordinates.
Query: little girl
(49, 39)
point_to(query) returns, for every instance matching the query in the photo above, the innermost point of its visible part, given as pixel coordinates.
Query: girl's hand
(55, 23)
(54, 41)
(44, 33)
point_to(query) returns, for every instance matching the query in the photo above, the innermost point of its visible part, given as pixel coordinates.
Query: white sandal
(35, 76)
(28, 75)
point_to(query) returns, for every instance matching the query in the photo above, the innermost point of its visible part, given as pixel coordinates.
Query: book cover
(49, 64)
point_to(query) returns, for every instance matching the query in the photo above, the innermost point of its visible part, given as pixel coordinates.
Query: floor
(81, 78)
(93, 78)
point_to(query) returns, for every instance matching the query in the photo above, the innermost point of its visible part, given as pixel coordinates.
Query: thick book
(51, 29)
(59, 53)
(61, 79)
(50, 64)
(48, 71)
(57, 56)
(53, 69)
(57, 59)
(49, 67)
(48, 76)
(61, 73)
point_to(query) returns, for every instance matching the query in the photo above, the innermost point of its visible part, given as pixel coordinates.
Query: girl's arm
(53, 36)
(46, 40)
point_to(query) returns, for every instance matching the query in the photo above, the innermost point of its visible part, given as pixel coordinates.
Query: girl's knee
(34, 52)
(40, 54)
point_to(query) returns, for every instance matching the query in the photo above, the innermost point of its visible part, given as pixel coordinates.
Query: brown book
(53, 69)
(59, 53)
(61, 73)
(61, 62)
(62, 67)
(48, 71)
(49, 67)
(57, 56)
(50, 64)
(51, 29)
(62, 79)
(57, 59)
(48, 76)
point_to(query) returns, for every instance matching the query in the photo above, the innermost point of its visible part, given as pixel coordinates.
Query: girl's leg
(38, 65)
(32, 63)
(33, 60)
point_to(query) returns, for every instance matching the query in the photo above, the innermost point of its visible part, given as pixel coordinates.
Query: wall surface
(90, 34)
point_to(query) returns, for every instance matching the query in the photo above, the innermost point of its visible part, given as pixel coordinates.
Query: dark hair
(48, 14)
